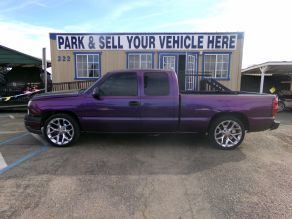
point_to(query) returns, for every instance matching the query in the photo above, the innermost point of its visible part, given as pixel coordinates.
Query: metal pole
(263, 71)
(44, 62)
(262, 82)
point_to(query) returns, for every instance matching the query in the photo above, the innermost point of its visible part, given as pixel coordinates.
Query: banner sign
(146, 42)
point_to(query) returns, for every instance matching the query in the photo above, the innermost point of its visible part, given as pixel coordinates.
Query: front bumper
(275, 125)
(33, 124)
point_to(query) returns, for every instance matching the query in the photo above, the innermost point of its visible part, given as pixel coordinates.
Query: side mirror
(96, 93)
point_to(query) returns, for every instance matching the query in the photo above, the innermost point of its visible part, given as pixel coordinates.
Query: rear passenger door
(159, 103)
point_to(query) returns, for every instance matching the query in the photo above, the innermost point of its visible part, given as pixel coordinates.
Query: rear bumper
(33, 124)
(275, 125)
(262, 123)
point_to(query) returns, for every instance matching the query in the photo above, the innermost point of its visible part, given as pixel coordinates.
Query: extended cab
(149, 101)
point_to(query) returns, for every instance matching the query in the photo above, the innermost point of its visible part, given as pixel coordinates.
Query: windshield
(92, 85)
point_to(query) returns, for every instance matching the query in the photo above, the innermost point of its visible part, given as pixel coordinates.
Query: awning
(269, 69)
(11, 57)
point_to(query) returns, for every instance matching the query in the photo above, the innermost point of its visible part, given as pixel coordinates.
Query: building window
(87, 65)
(169, 62)
(216, 65)
(140, 61)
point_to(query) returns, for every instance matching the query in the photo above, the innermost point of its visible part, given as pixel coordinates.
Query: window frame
(217, 53)
(169, 56)
(76, 68)
(117, 73)
(140, 53)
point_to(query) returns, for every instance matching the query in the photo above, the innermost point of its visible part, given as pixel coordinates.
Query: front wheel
(226, 132)
(61, 130)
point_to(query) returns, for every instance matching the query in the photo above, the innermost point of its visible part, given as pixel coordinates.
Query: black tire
(221, 129)
(281, 106)
(67, 126)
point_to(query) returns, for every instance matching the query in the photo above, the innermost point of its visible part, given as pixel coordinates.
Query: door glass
(156, 84)
(120, 84)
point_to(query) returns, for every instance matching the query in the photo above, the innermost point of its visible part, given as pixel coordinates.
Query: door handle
(134, 103)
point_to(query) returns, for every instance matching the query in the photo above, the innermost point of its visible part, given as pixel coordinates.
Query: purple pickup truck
(149, 101)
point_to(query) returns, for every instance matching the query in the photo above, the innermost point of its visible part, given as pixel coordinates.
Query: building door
(169, 62)
(181, 71)
(185, 65)
(191, 84)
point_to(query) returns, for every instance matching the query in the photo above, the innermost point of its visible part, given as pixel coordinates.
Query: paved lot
(136, 176)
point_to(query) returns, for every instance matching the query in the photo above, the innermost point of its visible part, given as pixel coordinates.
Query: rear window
(156, 84)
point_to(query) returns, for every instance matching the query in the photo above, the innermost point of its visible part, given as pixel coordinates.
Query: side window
(156, 84)
(120, 84)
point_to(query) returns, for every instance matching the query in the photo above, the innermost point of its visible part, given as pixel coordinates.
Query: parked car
(284, 104)
(285, 100)
(149, 101)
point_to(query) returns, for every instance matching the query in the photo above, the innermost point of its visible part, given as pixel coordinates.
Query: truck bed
(197, 108)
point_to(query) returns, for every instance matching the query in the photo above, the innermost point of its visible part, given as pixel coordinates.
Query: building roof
(273, 67)
(12, 57)
(240, 35)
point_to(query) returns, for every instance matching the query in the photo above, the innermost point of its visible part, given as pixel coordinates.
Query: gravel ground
(141, 176)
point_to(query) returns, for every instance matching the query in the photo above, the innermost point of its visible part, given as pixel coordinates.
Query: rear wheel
(227, 132)
(61, 130)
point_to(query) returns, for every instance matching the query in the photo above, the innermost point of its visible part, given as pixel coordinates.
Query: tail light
(275, 106)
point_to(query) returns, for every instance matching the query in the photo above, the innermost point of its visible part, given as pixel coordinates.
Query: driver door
(118, 107)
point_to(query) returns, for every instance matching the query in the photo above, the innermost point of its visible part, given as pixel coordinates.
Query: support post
(44, 63)
(263, 71)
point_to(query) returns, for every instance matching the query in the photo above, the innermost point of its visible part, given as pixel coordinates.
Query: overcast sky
(25, 24)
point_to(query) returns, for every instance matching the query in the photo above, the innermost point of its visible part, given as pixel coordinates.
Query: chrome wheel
(60, 131)
(228, 133)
